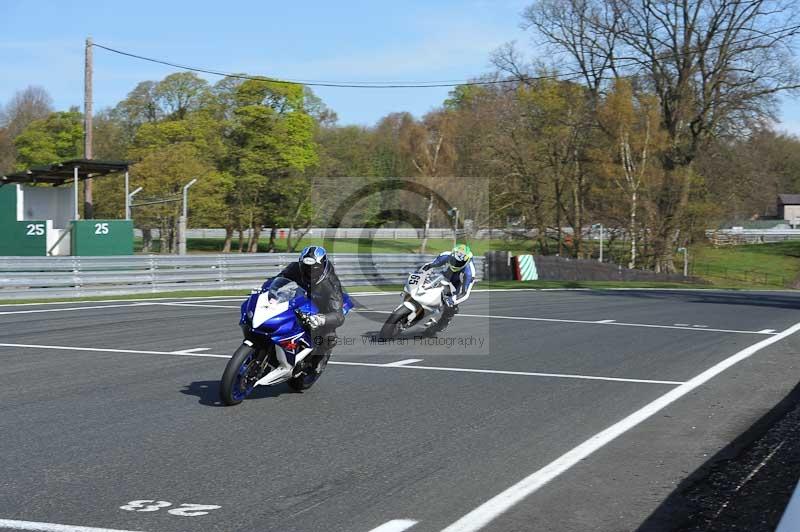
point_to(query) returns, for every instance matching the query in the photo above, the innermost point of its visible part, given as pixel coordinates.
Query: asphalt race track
(536, 410)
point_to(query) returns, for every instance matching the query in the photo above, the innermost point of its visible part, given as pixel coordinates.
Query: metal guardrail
(735, 237)
(54, 277)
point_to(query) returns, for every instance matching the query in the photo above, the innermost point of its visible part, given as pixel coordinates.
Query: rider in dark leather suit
(315, 274)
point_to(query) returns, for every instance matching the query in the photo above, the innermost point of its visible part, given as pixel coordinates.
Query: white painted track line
(403, 362)
(503, 372)
(202, 305)
(77, 300)
(109, 350)
(199, 303)
(589, 322)
(337, 363)
(120, 305)
(36, 311)
(192, 350)
(497, 505)
(612, 323)
(397, 525)
(53, 527)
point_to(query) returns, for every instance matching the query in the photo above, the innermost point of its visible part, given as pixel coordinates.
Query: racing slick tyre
(240, 376)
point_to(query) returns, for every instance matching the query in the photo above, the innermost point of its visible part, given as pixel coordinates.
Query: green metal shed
(38, 220)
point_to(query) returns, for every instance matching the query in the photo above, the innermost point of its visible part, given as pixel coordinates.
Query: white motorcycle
(422, 296)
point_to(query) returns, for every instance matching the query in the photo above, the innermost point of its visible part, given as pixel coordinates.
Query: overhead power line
(631, 62)
(316, 83)
(352, 84)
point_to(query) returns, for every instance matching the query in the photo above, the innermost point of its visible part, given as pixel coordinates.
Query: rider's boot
(321, 360)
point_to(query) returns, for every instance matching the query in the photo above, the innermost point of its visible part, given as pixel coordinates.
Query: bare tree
(27, 105)
(429, 146)
(715, 66)
(7, 154)
(630, 122)
(585, 30)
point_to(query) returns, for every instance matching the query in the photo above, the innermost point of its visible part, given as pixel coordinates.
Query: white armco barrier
(55, 277)
(732, 237)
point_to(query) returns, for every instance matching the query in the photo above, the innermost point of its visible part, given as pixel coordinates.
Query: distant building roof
(60, 173)
(789, 199)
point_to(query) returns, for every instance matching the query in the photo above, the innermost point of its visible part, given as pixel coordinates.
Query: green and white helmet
(459, 257)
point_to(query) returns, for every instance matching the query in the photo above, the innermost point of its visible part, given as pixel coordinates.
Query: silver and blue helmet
(314, 265)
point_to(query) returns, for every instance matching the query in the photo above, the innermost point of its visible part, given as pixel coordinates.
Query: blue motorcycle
(276, 348)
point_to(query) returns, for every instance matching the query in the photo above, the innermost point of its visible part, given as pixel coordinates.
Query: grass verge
(759, 265)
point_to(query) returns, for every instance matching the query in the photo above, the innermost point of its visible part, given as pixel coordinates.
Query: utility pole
(601, 242)
(88, 205)
(184, 219)
(599, 226)
(129, 200)
(685, 261)
(454, 213)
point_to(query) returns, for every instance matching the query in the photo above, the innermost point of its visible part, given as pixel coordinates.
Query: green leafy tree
(162, 173)
(180, 93)
(272, 140)
(50, 140)
(191, 147)
(140, 106)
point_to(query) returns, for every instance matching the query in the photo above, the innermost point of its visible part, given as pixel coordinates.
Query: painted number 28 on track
(183, 510)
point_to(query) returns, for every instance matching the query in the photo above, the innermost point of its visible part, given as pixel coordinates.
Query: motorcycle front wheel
(394, 323)
(240, 376)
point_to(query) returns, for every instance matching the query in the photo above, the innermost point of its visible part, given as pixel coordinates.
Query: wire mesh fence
(739, 275)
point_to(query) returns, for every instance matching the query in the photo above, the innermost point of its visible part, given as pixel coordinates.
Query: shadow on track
(753, 299)
(745, 486)
(208, 392)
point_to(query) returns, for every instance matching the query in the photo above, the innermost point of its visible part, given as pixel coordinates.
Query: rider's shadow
(208, 392)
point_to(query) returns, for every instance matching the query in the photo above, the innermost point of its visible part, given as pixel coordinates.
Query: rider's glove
(315, 321)
(425, 267)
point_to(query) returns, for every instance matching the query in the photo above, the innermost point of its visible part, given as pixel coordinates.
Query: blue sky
(41, 43)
